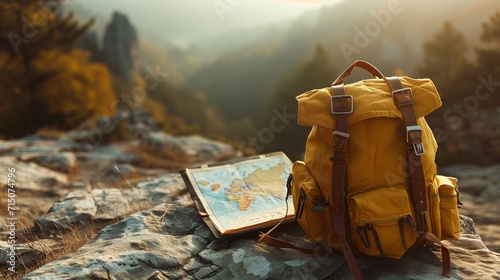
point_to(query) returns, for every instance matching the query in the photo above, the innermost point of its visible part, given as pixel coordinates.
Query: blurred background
(230, 69)
(90, 88)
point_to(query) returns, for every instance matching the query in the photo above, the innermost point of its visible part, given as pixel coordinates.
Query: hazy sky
(183, 20)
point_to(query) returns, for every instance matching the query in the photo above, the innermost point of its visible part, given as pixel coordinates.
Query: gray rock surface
(122, 169)
(480, 192)
(197, 147)
(77, 208)
(169, 187)
(157, 233)
(480, 181)
(478, 136)
(203, 148)
(110, 153)
(62, 162)
(49, 169)
(35, 145)
(80, 208)
(27, 252)
(31, 176)
(158, 142)
(170, 241)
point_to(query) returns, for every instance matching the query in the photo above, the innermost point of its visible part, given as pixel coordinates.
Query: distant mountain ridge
(237, 72)
(336, 23)
(391, 32)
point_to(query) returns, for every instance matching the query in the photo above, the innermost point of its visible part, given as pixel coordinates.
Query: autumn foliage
(44, 80)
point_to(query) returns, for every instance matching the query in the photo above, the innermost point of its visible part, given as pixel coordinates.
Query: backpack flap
(376, 128)
(372, 98)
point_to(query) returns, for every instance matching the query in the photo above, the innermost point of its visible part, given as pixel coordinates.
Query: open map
(241, 195)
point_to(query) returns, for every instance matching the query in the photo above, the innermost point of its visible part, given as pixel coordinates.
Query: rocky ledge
(153, 229)
(170, 241)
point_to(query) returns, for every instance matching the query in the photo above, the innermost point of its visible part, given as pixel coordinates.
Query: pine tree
(445, 59)
(316, 72)
(446, 64)
(488, 58)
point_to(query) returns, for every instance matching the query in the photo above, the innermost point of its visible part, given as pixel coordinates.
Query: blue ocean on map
(216, 193)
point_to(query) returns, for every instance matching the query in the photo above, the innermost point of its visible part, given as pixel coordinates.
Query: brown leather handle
(361, 64)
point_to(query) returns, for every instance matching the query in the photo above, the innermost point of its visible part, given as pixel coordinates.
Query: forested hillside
(387, 36)
(44, 80)
(231, 85)
(418, 39)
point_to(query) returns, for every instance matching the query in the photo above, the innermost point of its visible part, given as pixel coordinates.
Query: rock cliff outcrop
(120, 48)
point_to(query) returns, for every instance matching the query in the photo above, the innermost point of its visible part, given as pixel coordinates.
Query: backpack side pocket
(434, 217)
(308, 202)
(448, 207)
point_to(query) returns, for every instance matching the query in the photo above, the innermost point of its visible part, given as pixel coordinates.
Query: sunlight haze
(182, 21)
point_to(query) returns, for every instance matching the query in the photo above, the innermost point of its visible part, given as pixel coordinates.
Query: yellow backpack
(368, 181)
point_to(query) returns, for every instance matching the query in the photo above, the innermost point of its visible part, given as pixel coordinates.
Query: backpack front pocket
(308, 201)
(381, 223)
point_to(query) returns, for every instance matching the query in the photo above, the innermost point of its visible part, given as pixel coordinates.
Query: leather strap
(278, 243)
(403, 98)
(361, 64)
(341, 108)
(445, 253)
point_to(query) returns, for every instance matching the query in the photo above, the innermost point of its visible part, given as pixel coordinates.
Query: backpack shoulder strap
(403, 98)
(342, 106)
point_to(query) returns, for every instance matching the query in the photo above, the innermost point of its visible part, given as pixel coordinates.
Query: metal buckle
(341, 134)
(402, 91)
(419, 148)
(338, 97)
(410, 128)
(422, 222)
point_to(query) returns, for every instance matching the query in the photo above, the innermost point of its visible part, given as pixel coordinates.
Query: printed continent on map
(260, 182)
(215, 187)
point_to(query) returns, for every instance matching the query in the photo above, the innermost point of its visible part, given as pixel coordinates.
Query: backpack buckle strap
(414, 137)
(419, 149)
(340, 141)
(340, 133)
(402, 97)
(421, 221)
(340, 108)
